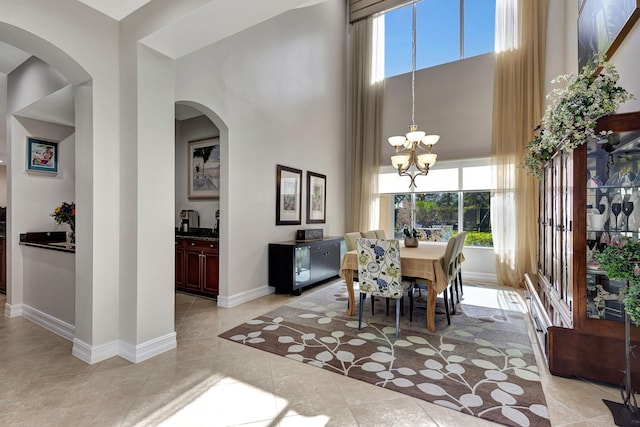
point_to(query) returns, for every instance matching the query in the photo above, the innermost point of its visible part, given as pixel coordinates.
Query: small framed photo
(316, 198)
(42, 155)
(288, 196)
(204, 169)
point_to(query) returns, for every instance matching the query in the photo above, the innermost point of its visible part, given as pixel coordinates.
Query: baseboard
(132, 353)
(141, 352)
(246, 296)
(479, 277)
(94, 354)
(14, 310)
(49, 322)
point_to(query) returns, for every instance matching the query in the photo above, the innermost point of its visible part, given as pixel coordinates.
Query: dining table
(426, 261)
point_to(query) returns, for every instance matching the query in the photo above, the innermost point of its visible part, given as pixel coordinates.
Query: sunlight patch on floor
(502, 298)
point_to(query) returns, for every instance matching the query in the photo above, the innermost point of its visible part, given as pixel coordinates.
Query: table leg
(348, 278)
(431, 308)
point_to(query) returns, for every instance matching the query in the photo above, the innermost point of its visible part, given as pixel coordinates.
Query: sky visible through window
(437, 33)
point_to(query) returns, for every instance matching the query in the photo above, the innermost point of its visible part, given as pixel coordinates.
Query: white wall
(193, 129)
(82, 45)
(3, 185)
(280, 89)
(453, 100)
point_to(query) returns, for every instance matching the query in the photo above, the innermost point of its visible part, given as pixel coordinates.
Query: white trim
(470, 276)
(57, 326)
(246, 296)
(91, 355)
(149, 349)
(132, 353)
(12, 310)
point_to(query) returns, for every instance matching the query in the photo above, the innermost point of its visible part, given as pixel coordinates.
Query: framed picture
(316, 198)
(602, 25)
(204, 169)
(42, 155)
(288, 196)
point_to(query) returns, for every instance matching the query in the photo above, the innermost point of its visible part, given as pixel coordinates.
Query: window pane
(438, 32)
(438, 180)
(476, 178)
(479, 26)
(477, 218)
(436, 210)
(397, 41)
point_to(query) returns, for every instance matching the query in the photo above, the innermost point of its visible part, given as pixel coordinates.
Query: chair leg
(446, 306)
(411, 304)
(398, 305)
(453, 304)
(372, 302)
(460, 282)
(387, 306)
(455, 285)
(362, 297)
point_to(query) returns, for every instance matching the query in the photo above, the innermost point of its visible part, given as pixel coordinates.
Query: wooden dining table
(423, 262)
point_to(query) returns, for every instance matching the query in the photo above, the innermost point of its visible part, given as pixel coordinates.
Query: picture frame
(288, 196)
(42, 155)
(203, 169)
(602, 26)
(316, 198)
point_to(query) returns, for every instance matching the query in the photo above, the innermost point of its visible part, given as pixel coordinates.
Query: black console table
(294, 265)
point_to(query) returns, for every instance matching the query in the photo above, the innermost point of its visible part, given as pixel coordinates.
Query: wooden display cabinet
(577, 309)
(197, 266)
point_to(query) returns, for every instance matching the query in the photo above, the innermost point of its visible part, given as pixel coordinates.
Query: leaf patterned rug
(482, 364)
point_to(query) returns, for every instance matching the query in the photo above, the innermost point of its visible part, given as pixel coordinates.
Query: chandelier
(413, 149)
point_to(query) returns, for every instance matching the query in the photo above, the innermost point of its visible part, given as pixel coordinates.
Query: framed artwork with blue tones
(42, 155)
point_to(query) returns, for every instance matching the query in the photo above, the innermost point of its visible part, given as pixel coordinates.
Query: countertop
(198, 234)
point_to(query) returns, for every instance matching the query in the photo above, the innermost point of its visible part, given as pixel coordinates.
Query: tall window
(450, 200)
(447, 30)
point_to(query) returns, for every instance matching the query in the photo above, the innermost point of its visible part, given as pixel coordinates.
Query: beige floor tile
(212, 381)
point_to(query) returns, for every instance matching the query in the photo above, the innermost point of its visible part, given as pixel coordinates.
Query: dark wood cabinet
(294, 265)
(197, 266)
(577, 309)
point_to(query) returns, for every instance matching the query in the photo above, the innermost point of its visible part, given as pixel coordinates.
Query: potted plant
(570, 117)
(411, 237)
(622, 262)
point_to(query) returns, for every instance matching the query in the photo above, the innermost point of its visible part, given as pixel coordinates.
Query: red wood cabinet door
(180, 270)
(192, 269)
(210, 272)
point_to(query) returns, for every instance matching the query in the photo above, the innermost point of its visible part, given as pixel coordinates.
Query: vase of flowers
(571, 116)
(411, 236)
(66, 214)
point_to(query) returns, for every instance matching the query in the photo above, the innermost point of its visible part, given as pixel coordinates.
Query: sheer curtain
(365, 117)
(518, 105)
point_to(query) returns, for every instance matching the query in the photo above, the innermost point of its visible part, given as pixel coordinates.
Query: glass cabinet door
(613, 214)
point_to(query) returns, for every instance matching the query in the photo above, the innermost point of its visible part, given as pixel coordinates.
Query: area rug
(482, 364)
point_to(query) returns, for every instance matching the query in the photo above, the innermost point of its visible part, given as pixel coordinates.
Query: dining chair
(380, 234)
(458, 264)
(371, 234)
(350, 240)
(448, 263)
(380, 274)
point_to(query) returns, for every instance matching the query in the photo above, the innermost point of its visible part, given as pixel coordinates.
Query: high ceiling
(116, 9)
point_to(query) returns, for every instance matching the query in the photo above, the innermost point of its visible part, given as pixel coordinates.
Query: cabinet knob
(193, 244)
(210, 246)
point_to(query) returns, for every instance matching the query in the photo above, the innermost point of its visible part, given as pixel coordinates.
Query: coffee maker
(189, 220)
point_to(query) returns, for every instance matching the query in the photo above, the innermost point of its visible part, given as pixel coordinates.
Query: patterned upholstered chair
(380, 274)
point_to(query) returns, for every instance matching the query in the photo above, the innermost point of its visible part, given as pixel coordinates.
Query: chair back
(350, 240)
(371, 234)
(380, 234)
(449, 259)
(379, 268)
(459, 247)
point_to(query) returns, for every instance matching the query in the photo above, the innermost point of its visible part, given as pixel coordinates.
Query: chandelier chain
(413, 65)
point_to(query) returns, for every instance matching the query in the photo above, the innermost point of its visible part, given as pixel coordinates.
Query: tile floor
(209, 381)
